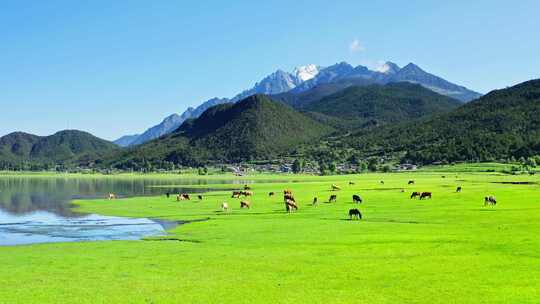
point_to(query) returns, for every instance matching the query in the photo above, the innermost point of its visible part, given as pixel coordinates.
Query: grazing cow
(490, 200)
(112, 196)
(458, 189)
(444, 176)
(425, 195)
(382, 182)
(415, 194)
(357, 199)
(315, 200)
(411, 182)
(246, 193)
(236, 194)
(245, 204)
(182, 197)
(167, 194)
(199, 197)
(290, 206)
(355, 213)
(351, 183)
(246, 187)
(333, 198)
(224, 207)
(271, 194)
(335, 187)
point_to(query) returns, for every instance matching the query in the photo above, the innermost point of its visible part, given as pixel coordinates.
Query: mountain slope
(168, 125)
(126, 140)
(17, 146)
(64, 147)
(413, 73)
(300, 100)
(254, 128)
(504, 123)
(375, 105)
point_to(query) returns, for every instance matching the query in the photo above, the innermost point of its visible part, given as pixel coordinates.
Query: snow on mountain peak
(388, 68)
(306, 72)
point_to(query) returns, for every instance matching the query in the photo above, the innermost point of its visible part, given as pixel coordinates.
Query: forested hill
(70, 147)
(254, 128)
(502, 124)
(376, 105)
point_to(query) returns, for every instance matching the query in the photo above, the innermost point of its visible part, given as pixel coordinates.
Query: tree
(297, 166)
(372, 164)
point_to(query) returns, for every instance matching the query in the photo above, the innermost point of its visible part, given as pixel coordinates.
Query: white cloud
(356, 46)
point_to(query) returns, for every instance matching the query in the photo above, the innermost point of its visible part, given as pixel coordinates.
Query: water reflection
(20, 195)
(37, 209)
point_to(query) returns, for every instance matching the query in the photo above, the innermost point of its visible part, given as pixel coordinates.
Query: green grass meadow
(450, 249)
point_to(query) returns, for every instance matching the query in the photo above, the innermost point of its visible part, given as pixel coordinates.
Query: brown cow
(236, 194)
(271, 194)
(200, 197)
(415, 194)
(411, 182)
(182, 197)
(246, 187)
(246, 193)
(425, 195)
(245, 204)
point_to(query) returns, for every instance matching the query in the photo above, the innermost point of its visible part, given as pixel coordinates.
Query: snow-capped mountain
(389, 72)
(277, 82)
(306, 72)
(389, 68)
(307, 77)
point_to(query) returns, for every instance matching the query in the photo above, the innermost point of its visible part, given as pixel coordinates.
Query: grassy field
(449, 249)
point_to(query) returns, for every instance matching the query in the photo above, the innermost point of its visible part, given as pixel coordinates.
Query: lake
(37, 209)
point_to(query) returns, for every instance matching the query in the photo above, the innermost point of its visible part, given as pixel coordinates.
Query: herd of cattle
(291, 205)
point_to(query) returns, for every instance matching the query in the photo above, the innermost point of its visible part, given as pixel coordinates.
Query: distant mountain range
(307, 78)
(64, 147)
(346, 121)
(259, 128)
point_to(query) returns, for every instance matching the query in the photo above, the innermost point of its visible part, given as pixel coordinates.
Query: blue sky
(117, 67)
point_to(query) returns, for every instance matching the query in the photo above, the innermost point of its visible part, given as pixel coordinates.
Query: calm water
(36, 209)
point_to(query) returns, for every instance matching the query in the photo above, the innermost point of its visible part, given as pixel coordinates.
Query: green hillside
(254, 128)
(502, 124)
(68, 147)
(374, 105)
